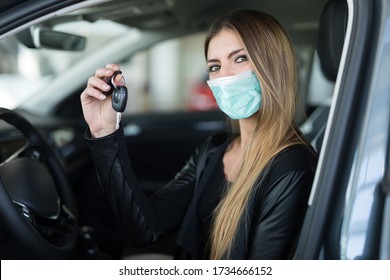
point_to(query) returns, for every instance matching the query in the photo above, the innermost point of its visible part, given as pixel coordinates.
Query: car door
(348, 215)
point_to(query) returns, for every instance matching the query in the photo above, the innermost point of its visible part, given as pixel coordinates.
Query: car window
(25, 69)
(361, 228)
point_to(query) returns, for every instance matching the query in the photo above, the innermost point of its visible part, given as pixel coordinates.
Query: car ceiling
(300, 17)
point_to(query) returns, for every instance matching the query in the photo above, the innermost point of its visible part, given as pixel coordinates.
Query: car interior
(332, 29)
(61, 212)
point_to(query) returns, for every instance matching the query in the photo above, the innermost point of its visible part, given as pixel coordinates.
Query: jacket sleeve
(280, 216)
(143, 219)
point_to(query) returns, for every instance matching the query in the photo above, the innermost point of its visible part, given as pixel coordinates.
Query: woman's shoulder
(295, 160)
(298, 157)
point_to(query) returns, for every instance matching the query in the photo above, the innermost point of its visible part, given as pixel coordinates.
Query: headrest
(332, 28)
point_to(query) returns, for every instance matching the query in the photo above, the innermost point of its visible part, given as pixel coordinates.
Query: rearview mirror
(37, 37)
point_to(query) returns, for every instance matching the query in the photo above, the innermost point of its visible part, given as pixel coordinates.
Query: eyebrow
(229, 56)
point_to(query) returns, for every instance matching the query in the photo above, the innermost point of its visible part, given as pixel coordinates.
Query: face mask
(238, 96)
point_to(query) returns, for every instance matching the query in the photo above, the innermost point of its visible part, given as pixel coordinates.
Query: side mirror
(37, 37)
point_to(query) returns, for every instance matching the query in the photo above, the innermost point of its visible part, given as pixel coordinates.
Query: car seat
(331, 35)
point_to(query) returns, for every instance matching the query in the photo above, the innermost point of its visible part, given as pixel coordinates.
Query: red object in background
(202, 98)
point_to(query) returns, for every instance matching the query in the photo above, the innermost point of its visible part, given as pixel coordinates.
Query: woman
(240, 196)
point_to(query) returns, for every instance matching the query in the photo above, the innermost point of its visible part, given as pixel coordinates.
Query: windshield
(26, 70)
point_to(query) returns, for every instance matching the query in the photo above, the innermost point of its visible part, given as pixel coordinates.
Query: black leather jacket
(277, 205)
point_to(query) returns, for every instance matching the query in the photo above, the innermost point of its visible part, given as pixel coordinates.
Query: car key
(119, 99)
(119, 94)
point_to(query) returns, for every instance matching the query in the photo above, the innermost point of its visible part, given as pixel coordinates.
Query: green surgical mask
(238, 96)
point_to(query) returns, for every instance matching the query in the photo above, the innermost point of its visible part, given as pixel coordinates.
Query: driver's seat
(331, 35)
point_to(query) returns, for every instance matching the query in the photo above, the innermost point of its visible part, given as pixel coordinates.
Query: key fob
(119, 94)
(119, 99)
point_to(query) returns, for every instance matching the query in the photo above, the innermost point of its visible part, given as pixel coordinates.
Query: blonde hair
(271, 53)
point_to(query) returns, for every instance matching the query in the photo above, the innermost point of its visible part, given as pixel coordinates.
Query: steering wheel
(37, 204)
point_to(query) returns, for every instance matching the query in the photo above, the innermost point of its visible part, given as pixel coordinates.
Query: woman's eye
(213, 68)
(241, 58)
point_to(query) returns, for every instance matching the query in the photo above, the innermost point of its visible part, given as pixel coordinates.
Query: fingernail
(102, 97)
(106, 87)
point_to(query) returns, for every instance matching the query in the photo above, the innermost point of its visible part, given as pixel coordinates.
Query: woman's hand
(97, 107)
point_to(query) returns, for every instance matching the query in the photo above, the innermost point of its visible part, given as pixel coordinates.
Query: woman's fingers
(97, 85)
(119, 80)
(110, 70)
(107, 71)
(96, 88)
(112, 66)
(104, 75)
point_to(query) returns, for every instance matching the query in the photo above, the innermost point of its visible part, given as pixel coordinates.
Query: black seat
(331, 35)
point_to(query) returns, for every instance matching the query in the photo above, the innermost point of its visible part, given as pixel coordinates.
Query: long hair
(270, 51)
